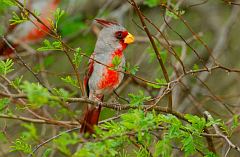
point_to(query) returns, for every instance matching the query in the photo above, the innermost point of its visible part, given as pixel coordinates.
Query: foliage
(64, 141)
(31, 132)
(48, 46)
(6, 66)
(116, 61)
(159, 83)
(21, 145)
(136, 121)
(131, 69)
(3, 103)
(16, 19)
(8, 2)
(37, 95)
(57, 16)
(77, 57)
(70, 80)
(138, 99)
(42, 112)
(153, 3)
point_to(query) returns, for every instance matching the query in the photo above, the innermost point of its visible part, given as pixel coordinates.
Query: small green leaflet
(161, 82)
(17, 81)
(153, 3)
(173, 13)
(188, 145)
(70, 80)
(138, 99)
(57, 16)
(37, 95)
(21, 145)
(61, 93)
(47, 152)
(16, 19)
(195, 67)
(3, 103)
(8, 2)
(6, 66)
(132, 70)
(116, 61)
(77, 57)
(31, 131)
(48, 46)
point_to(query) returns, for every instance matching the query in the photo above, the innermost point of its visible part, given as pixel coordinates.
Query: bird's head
(113, 36)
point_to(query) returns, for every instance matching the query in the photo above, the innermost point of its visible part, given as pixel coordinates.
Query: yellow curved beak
(129, 39)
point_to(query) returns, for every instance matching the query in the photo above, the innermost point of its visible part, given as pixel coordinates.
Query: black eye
(119, 35)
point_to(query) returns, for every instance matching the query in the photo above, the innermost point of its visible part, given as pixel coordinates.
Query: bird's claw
(118, 107)
(99, 104)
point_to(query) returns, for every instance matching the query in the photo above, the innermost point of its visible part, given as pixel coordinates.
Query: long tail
(90, 119)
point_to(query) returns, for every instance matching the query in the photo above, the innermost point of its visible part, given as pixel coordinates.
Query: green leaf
(142, 152)
(210, 154)
(16, 19)
(3, 138)
(188, 145)
(138, 99)
(132, 70)
(70, 80)
(77, 57)
(47, 152)
(163, 148)
(57, 16)
(116, 61)
(137, 120)
(153, 3)
(6, 66)
(171, 14)
(17, 82)
(21, 145)
(161, 82)
(48, 46)
(197, 123)
(61, 93)
(37, 95)
(174, 12)
(195, 67)
(31, 132)
(235, 122)
(8, 2)
(64, 141)
(3, 103)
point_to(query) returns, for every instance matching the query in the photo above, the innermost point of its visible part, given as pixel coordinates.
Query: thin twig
(218, 132)
(165, 73)
(24, 64)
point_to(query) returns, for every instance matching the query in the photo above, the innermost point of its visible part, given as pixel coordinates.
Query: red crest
(106, 23)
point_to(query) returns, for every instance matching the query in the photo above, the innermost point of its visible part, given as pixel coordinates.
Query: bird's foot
(118, 107)
(99, 104)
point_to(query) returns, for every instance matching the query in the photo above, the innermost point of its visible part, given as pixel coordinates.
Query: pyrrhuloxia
(100, 79)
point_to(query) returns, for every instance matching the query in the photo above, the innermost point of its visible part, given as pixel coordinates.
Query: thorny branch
(218, 132)
(165, 73)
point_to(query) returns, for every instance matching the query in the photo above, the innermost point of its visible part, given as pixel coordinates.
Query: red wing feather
(88, 74)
